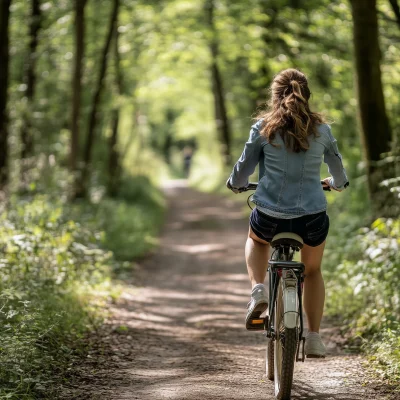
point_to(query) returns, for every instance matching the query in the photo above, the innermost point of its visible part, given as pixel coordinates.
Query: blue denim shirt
(289, 182)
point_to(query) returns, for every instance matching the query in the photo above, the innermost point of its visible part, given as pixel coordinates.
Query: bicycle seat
(287, 239)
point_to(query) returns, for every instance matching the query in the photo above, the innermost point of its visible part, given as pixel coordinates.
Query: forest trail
(178, 331)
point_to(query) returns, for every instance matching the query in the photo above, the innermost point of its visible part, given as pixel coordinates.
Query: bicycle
(283, 324)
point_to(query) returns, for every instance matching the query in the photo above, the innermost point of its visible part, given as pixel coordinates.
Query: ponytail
(289, 111)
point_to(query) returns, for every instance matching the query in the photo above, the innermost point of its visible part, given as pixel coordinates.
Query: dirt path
(179, 332)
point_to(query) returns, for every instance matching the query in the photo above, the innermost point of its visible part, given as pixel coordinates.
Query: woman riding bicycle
(288, 142)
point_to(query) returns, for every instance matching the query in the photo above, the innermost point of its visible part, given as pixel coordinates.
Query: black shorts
(313, 229)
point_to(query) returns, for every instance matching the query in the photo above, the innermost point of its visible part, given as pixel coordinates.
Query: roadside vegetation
(60, 267)
(362, 275)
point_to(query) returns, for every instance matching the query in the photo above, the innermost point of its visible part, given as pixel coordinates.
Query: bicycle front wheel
(285, 347)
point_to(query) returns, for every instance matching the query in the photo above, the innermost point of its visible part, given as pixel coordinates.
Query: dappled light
(122, 264)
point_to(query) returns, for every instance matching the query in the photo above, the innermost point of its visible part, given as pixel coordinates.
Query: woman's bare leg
(314, 288)
(257, 253)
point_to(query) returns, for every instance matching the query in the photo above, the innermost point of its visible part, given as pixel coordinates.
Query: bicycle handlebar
(253, 186)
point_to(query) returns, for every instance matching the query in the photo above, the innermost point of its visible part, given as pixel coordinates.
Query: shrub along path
(178, 332)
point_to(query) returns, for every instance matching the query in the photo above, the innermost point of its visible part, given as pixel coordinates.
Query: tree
(4, 57)
(376, 133)
(221, 116)
(113, 162)
(77, 82)
(81, 188)
(30, 78)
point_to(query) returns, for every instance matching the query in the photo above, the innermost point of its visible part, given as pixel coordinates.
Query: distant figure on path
(187, 160)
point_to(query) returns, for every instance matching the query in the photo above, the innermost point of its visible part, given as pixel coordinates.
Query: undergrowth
(363, 289)
(56, 270)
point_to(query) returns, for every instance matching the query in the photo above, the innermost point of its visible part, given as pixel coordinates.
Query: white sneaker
(314, 348)
(257, 305)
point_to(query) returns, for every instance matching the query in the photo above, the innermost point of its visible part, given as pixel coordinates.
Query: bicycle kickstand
(303, 353)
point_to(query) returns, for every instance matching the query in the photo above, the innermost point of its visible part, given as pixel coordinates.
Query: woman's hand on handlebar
(250, 186)
(327, 183)
(229, 186)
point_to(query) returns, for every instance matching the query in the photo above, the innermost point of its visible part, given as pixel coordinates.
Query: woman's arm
(333, 158)
(248, 161)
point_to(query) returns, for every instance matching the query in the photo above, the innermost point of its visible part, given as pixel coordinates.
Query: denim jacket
(289, 182)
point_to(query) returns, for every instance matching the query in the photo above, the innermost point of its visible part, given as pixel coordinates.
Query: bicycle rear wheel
(285, 347)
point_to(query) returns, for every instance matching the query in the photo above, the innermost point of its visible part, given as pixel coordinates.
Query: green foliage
(50, 269)
(130, 222)
(384, 350)
(363, 289)
(55, 275)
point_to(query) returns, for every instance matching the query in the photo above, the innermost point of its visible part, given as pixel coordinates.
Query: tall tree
(113, 162)
(30, 78)
(4, 57)
(77, 82)
(81, 188)
(376, 131)
(221, 116)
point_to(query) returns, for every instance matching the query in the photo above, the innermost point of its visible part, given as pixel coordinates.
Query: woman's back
(288, 142)
(290, 181)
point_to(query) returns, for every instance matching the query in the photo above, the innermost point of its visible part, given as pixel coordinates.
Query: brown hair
(288, 111)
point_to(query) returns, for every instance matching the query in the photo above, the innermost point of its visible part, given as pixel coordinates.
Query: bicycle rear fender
(290, 299)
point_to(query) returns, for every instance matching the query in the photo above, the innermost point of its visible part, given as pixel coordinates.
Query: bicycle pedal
(257, 324)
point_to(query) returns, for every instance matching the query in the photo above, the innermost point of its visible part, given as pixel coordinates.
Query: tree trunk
(26, 131)
(113, 164)
(4, 57)
(221, 117)
(77, 83)
(396, 10)
(81, 189)
(376, 133)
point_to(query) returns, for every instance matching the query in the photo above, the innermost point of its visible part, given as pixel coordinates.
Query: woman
(288, 141)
